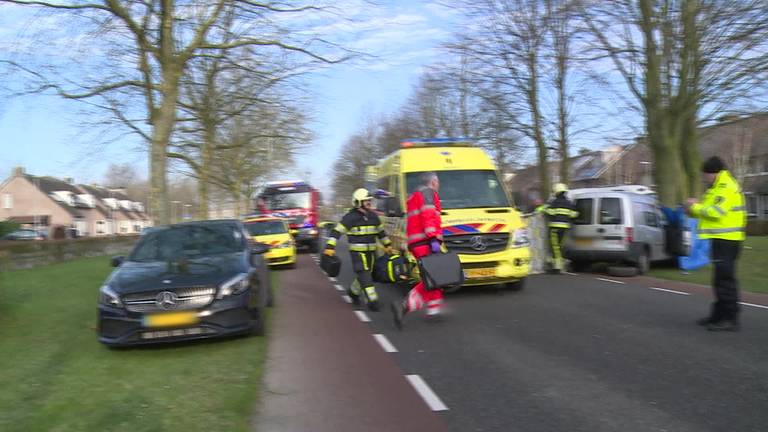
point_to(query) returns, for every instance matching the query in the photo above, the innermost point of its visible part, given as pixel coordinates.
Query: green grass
(751, 266)
(55, 376)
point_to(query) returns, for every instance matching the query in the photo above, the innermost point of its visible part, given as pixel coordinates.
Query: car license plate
(582, 241)
(171, 319)
(477, 273)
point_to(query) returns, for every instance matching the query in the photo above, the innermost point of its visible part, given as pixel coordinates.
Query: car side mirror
(259, 248)
(117, 261)
(392, 207)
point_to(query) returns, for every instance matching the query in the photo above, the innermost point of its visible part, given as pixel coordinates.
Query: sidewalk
(326, 373)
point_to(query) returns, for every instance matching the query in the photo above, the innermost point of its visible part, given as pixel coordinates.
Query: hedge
(27, 254)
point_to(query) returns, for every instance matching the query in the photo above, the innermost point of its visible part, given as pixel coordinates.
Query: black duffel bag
(441, 270)
(390, 268)
(331, 265)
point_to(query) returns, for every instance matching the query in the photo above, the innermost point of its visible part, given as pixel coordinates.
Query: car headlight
(107, 296)
(285, 244)
(520, 238)
(234, 286)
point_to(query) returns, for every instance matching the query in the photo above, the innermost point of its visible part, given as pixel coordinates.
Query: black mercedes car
(186, 281)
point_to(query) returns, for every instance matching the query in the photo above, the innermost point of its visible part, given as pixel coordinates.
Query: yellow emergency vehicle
(275, 233)
(480, 223)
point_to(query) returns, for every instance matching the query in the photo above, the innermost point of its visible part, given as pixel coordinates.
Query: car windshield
(465, 188)
(187, 241)
(266, 227)
(288, 200)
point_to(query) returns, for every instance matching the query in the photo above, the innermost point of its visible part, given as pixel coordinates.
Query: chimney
(18, 171)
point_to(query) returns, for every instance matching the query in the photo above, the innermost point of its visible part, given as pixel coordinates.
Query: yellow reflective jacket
(721, 212)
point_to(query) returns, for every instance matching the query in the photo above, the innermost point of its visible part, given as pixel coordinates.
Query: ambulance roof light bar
(437, 142)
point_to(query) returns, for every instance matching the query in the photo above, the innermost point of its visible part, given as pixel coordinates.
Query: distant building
(62, 208)
(742, 142)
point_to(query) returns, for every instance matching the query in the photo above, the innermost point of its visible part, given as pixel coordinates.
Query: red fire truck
(298, 202)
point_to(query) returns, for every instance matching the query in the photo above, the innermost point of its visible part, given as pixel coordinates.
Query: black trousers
(726, 287)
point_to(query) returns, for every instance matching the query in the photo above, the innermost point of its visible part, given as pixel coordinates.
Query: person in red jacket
(425, 236)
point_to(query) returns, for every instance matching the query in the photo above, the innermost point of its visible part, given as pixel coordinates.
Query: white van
(621, 227)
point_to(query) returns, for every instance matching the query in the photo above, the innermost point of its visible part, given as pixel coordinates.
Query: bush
(7, 227)
(25, 254)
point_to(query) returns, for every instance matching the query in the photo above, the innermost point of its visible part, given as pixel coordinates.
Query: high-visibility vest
(362, 228)
(721, 212)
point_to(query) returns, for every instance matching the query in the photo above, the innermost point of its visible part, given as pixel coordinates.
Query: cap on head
(360, 195)
(559, 188)
(713, 165)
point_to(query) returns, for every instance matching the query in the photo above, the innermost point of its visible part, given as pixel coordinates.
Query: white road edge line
(670, 291)
(333, 279)
(572, 274)
(347, 298)
(339, 287)
(386, 345)
(426, 393)
(611, 280)
(754, 305)
(363, 317)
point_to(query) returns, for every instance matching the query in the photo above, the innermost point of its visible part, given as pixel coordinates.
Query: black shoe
(398, 313)
(355, 298)
(724, 325)
(373, 306)
(705, 321)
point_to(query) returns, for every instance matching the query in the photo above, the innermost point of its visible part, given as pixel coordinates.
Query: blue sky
(41, 133)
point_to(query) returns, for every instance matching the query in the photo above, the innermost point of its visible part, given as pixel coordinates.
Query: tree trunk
(541, 145)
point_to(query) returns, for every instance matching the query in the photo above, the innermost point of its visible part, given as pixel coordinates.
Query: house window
(7, 201)
(751, 206)
(101, 227)
(125, 227)
(764, 206)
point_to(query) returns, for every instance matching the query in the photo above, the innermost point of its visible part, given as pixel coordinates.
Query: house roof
(102, 193)
(49, 185)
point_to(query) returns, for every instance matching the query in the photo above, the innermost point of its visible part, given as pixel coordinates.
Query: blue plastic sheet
(700, 249)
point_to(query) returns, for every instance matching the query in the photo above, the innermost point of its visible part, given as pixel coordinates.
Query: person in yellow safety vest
(362, 227)
(723, 219)
(560, 210)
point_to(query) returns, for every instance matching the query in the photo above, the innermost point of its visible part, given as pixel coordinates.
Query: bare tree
(155, 43)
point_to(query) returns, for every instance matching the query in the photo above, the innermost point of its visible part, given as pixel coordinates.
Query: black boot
(373, 305)
(398, 313)
(724, 325)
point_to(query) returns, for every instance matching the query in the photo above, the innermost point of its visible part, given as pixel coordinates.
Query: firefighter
(362, 227)
(424, 235)
(722, 218)
(560, 210)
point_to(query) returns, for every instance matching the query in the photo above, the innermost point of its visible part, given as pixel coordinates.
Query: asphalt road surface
(581, 353)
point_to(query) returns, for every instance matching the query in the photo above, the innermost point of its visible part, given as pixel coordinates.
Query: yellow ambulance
(273, 232)
(480, 223)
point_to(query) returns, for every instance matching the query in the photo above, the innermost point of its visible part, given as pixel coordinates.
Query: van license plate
(171, 319)
(479, 273)
(582, 241)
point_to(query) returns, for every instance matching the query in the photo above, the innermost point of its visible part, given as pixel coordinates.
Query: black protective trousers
(726, 287)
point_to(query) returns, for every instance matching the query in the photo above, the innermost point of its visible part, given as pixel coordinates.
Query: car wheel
(622, 271)
(516, 285)
(258, 325)
(643, 262)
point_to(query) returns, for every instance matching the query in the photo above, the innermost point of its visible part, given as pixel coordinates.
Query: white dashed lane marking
(339, 287)
(426, 393)
(611, 280)
(670, 291)
(754, 305)
(347, 298)
(386, 345)
(362, 316)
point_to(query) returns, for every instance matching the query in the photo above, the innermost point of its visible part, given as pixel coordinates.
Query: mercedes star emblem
(477, 243)
(167, 300)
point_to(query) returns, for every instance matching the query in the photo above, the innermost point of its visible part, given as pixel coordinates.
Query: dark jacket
(560, 211)
(362, 230)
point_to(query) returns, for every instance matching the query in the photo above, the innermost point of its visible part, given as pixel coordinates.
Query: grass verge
(56, 377)
(751, 268)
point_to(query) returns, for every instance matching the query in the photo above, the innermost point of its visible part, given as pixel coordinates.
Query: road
(582, 353)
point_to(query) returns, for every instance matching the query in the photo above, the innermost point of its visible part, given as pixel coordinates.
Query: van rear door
(614, 232)
(584, 231)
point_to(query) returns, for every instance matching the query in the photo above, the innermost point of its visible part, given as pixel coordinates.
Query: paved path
(326, 371)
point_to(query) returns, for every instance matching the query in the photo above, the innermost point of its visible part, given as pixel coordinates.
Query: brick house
(60, 207)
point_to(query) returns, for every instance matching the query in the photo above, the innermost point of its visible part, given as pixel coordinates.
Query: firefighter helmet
(359, 196)
(559, 187)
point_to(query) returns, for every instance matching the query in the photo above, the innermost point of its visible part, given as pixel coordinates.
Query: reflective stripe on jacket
(559, 212)
(423, 222)
(362, 230)
(721, 212)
